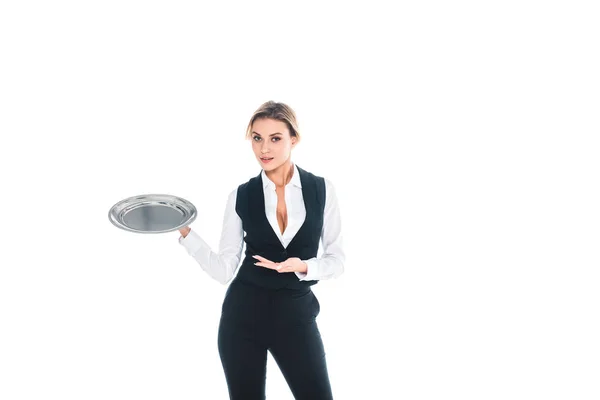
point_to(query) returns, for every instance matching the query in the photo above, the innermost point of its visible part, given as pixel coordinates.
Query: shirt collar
(267, 183)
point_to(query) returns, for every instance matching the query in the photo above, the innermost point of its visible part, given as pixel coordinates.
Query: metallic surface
(152, 213)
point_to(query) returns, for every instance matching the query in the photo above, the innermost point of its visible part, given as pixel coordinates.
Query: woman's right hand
(184, 231)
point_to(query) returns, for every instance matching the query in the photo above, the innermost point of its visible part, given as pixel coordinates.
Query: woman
(269, 306)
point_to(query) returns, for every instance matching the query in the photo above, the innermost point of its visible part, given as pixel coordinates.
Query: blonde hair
(277, 111)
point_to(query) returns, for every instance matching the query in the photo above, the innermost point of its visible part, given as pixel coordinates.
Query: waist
(260, 287)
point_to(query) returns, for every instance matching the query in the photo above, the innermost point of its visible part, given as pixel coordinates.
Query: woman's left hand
(293, 264)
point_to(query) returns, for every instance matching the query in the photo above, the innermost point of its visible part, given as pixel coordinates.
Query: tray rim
(131, 200)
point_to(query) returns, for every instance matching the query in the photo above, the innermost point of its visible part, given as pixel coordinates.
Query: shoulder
(329, 185)
(324, 185)
(242, 190)
(244, 186)
(307, 175)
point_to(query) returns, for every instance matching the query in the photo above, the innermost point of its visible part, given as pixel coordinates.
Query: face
(272, 143)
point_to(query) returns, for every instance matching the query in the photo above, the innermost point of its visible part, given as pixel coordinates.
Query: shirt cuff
(311, 270)
(193, 243)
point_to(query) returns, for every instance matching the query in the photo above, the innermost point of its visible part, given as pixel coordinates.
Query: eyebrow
(272, 134)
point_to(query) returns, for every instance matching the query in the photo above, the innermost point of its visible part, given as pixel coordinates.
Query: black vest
(263, 241)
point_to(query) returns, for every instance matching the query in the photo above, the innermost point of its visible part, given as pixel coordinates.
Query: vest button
(284, 254)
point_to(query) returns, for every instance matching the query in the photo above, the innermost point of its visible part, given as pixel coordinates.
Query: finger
(262, 259)
(267, 265)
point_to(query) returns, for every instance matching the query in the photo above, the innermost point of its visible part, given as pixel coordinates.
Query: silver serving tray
(152, 213)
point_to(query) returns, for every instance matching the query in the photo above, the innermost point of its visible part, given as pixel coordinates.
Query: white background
(461, 138)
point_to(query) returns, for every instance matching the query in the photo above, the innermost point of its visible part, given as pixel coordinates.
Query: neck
(281, 175)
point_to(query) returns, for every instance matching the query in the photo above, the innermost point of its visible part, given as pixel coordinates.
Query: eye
(256, 138)
(276, 138)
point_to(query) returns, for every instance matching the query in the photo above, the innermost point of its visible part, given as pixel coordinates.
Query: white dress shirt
(223, 265)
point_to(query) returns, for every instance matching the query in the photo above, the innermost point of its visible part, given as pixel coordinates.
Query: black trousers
(255, 320)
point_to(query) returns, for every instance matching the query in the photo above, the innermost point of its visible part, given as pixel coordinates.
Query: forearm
(329, 266)
(219, 266)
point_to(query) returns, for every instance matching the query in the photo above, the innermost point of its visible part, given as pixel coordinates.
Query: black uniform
(265, 310)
